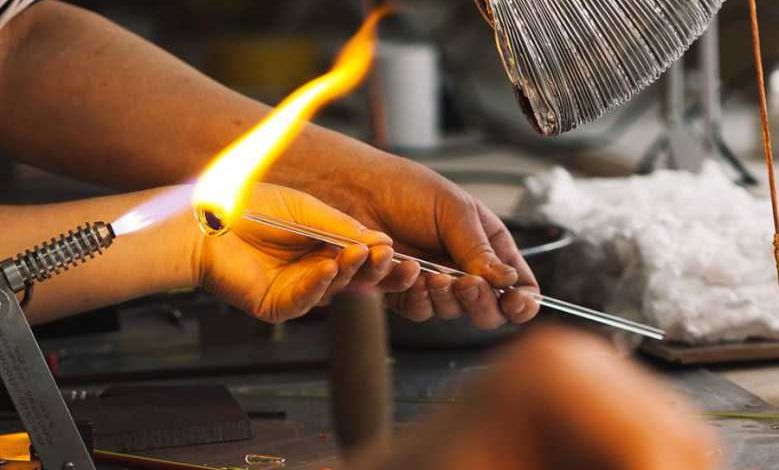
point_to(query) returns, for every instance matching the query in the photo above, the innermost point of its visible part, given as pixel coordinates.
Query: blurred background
(266, 49)
(447, 103)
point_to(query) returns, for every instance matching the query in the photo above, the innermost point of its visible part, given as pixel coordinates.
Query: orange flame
(219, 193)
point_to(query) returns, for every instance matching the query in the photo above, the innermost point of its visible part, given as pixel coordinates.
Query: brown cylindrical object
(765, 125)
(360, 379)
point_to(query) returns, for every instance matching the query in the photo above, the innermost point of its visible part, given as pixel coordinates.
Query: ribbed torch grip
(56, 255)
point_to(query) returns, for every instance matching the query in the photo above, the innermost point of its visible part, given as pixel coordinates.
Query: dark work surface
(304, 435)
(281, 380)
(129, 419)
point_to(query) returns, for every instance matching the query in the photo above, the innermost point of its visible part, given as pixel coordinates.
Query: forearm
(138, 264)
(91, 100)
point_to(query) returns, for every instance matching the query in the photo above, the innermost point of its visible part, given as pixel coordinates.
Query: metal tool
(262, 459)
(572, 61)
(434, 268)
(23, 368)
(754, 415)
(260, 462)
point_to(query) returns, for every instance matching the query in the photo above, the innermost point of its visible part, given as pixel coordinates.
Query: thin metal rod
(765, 124)
(435, 268)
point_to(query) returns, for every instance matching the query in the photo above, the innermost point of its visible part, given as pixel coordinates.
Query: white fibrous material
(689, 253)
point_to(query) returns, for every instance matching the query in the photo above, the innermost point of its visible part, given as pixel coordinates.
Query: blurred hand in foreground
(559, 400)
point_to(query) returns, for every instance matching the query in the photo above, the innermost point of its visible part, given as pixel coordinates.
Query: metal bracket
(34, 391)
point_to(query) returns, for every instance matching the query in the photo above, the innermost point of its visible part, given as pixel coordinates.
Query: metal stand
(34, 392)
(680, 148)
(685, 152)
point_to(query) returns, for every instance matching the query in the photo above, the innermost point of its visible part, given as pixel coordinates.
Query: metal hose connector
(57, 255)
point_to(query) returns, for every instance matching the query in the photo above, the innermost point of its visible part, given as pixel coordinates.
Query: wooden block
(712, 354)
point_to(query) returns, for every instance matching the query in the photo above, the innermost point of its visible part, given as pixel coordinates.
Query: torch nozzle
(56, 255)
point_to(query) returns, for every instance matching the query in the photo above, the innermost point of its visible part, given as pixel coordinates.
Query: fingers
(469, 246)
(478, 241)
(349, 261)
(486, 248)
(479, 300)
(401, 278)
(295, 295)
(311, 281)
(448, 298)
(445, 303)
(519, 306)
(377, 267)
(415, 303)
(504, 245)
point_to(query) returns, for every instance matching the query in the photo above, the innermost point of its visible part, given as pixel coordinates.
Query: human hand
(431, 217)
(560, 400)
(277, 276)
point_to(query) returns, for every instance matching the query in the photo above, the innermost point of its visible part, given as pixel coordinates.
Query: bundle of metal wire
(571, 61)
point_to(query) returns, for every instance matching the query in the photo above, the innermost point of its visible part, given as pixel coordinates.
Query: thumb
(467, 243)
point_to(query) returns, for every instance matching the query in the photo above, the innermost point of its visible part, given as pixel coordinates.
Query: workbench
(283, 385)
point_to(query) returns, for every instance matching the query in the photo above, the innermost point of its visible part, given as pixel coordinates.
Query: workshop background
(463, 121)
(446, 101)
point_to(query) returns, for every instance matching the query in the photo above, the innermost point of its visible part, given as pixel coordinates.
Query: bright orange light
(15, 446)
(221, 189)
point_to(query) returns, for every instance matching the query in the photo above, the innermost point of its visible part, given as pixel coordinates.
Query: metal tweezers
(434, 268)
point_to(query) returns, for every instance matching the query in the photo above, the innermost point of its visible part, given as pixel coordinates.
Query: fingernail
(380, 237)
(503, 269)
(365, 252)
(471, 293)
(331, 271)
(518, 309)
(384, 264)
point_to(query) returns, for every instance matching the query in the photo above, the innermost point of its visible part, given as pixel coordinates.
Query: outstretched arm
(272, 275)
(86, 98)
(160, 259)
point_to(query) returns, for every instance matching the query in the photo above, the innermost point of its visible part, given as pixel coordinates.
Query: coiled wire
(64, 251)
